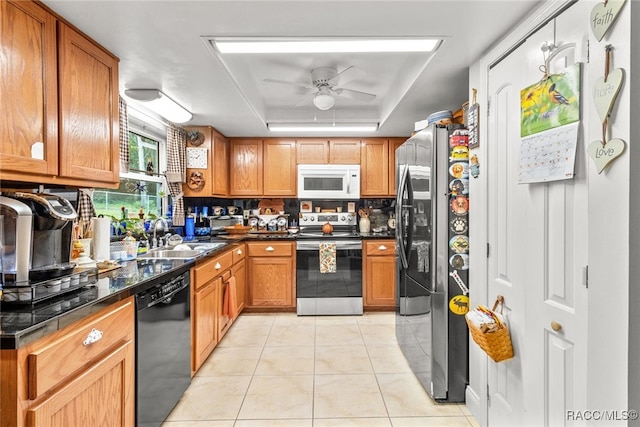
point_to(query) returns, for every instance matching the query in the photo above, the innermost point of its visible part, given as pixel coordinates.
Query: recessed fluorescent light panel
(158, 102)
(322, 127)
(323, 45)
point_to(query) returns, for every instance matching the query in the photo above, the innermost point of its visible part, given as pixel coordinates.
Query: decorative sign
(473, 117)
(548, 155)
(605, 92)
(603, 154)
(551, 102)
(603, 15)
(196, 158)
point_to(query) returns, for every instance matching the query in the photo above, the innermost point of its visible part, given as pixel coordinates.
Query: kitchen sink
(172, 254)
(206, 246)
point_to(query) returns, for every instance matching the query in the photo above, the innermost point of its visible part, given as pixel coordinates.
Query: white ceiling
(162, 44)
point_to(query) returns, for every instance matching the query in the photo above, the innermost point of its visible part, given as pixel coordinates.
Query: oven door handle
(314, 245)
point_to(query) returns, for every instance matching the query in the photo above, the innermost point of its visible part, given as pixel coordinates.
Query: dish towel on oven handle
(328, 257)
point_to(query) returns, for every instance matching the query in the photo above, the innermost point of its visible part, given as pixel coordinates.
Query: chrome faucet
(159, 224)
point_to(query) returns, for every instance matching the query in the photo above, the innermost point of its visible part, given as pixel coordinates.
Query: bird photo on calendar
(553, 101)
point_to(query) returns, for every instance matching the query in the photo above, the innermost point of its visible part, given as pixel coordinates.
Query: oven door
(330, 293)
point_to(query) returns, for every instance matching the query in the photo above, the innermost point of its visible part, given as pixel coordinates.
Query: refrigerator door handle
(411, 217)
(399, 223)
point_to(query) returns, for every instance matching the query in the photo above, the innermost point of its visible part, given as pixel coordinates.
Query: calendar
(548, 155)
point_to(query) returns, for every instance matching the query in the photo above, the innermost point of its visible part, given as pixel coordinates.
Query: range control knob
(342, 218)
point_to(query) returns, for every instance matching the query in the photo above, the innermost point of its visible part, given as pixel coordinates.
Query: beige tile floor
(288, 371)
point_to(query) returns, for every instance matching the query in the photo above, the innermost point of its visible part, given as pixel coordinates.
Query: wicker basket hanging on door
(494, 339)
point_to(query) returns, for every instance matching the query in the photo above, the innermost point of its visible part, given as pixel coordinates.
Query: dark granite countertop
(382, 235)
(23, 324)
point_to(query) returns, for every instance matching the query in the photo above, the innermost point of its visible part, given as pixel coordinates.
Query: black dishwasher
(163, 348)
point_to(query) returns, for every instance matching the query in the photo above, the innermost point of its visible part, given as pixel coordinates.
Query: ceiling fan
(324, 80)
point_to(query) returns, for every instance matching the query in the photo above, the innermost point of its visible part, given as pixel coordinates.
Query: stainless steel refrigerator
(431, 237)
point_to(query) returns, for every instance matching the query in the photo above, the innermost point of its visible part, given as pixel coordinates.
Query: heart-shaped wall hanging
(603, 15)
(606, 92)
(602, 155)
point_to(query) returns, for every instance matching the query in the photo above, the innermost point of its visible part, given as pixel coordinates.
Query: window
(141, 189)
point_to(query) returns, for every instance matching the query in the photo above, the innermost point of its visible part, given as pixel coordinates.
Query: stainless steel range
(328, 265)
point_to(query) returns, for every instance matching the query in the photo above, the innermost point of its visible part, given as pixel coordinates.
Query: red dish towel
(229, 299)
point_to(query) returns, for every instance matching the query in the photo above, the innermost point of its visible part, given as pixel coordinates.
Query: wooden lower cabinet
(204, 322)
(271, 275)
(60, 381)
(209, 320)
(379, 272)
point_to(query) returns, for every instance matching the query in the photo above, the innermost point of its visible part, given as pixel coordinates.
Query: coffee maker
(37, 233)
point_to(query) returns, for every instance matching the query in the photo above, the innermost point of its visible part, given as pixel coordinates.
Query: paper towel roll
(101, 238)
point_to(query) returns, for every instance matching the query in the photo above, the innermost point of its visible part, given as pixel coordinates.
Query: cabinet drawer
(210, 268)
(72, 348)
(380, 247)
(270, 249)
(238, 253)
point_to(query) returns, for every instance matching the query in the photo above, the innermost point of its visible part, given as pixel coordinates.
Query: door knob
(556, 326)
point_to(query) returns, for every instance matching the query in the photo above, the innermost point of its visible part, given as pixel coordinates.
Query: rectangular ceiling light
(323, 45)
(322, 127)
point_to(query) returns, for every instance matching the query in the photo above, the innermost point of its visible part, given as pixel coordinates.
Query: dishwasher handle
(166, 299)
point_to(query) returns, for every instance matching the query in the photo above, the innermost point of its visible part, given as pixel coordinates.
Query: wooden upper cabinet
(313, 151)
(216, 174)
(344, 151)
(89, 119)
(29, 87)
(394, 143)
(245, 167)
(59, 101)
(374, 172)
(280, 171)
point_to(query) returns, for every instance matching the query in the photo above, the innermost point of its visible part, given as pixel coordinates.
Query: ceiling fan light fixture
(323, 100)
(160, 103)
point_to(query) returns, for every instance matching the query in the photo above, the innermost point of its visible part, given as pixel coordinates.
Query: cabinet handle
(382, 248)
(94, 336)
(239, 252)
(269, 249)
(217, 266)
(556, 326)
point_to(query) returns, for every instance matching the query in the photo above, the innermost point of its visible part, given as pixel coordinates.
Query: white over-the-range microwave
(329, 182)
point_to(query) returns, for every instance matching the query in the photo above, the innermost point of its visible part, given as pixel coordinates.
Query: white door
(537, 247)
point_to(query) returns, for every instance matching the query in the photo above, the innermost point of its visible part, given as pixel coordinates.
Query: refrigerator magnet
(474, 166)
(460, 205)
(459, 152)
(459, 225)
(459, 170)
(459, 305)
(459, 261)
(459, 186)
(459, 244)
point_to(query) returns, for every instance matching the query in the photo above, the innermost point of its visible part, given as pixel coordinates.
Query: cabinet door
(394, 143)
(379, 274)
(280, 171)
(29, 101)
(245, 167)
(313, 151)
(88, 102)
(344, 151)
(270, 282)
(239, 272)
(374, 172)
(101, 395)
(204, 322)
(220, 163)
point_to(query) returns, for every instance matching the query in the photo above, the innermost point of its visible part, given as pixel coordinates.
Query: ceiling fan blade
(306, 100)
(355, 94)
(285, 82)
(350, 67)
